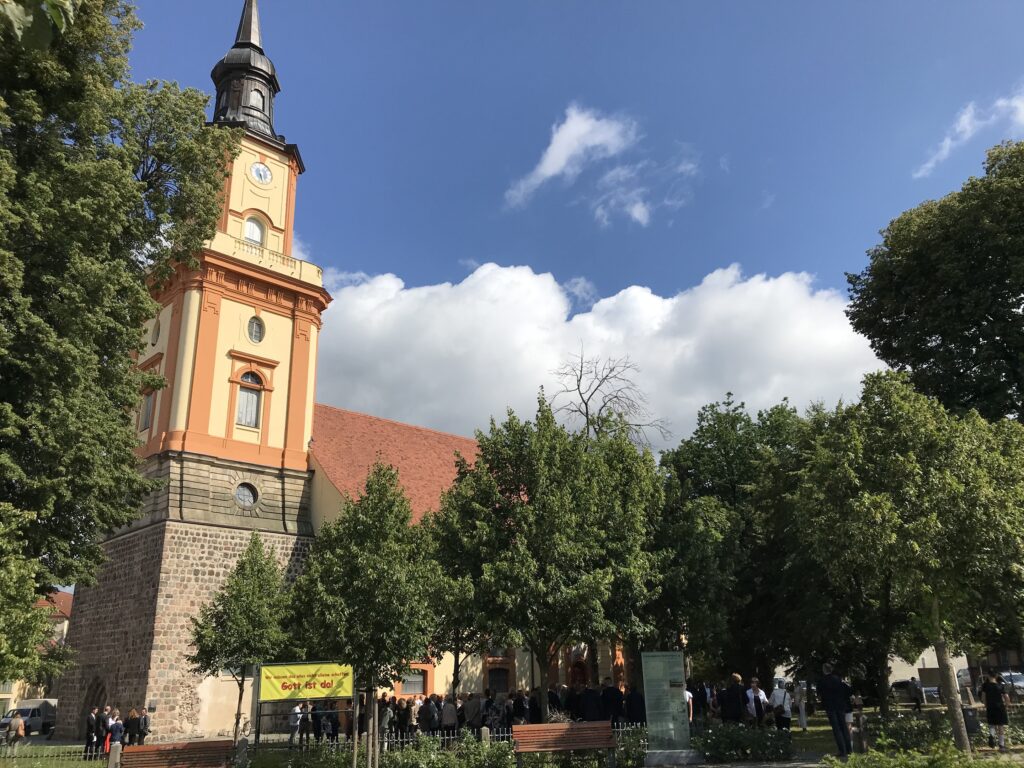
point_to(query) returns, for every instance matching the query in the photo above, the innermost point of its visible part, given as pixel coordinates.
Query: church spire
(249, 26)
(246, 80)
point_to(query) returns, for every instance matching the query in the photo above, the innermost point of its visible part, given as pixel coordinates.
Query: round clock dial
(261, 173)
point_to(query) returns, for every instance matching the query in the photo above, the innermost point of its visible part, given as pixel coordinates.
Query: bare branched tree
(596, 391)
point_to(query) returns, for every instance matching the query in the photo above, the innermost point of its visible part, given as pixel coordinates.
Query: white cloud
(451, 355)
(969, 121)
(583, 137)
(767, 200)
(582, 290)
(300, 250)
(620, 191)
(725, 164)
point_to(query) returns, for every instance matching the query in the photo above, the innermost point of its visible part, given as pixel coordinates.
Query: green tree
(363, 597)
(242, 625)
(942, 293)
(923, 509)
(725, 530)
(103, 186)
(459, 620)
(562, 521)
(34, 22)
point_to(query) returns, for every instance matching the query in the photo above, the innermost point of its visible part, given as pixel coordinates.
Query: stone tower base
(130, 632)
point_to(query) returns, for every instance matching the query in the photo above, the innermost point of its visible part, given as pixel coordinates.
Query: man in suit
(102, 726)
(611, 701)
(90, 734)
(144, 726)
(591, 705)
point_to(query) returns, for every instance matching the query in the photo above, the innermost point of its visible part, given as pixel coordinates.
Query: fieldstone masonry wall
(130, 632)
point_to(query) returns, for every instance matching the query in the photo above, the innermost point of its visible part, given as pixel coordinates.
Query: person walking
(145, 726)
(834, 700)
(636, 711)
(612, 702)
(781, 703)
(996, 700)
(757, 703)
(102, 726)
(116, 735)
(449, 716)
(403, 719)
(733, 700)
(471, 712)
(15, 733)
(316, 720)
(90, 734)
(294, 723)
(305, 726)
(800, 699)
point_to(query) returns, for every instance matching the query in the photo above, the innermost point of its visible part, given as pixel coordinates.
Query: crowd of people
(106, 727)
(398, 718)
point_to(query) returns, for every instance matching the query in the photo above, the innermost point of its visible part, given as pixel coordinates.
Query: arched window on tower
(254, 230)
(257, 100)
(249, 398)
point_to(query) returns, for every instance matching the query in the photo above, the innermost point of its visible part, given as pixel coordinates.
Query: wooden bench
(563, 737)
(186, 754)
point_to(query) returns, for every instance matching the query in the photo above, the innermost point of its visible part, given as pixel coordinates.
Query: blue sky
(777, 136)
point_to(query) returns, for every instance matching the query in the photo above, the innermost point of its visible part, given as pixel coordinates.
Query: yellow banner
(298, 682)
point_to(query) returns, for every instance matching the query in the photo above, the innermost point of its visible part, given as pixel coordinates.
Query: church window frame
(256, 329)
(257, 100)
(146, 410)
(250, 400)
(255, 231)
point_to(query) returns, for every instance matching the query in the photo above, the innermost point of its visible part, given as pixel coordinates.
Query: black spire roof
(245, 79)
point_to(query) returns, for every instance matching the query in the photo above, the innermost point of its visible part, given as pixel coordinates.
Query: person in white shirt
(800, 699)
(689, 704)
(781, 702)
(757, 702)
(294, 721)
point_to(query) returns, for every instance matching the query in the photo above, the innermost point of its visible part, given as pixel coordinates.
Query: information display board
(668, 720)
(299, 682)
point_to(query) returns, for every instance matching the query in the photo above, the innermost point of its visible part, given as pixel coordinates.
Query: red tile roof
(346, 444)
(59, 602)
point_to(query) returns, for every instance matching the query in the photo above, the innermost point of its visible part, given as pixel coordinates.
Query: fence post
(485, 735)
(114, 757)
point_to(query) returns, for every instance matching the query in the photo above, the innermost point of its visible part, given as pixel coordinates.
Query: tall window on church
(256, 99)
(249, 400)
(146, 417)
(254, 231)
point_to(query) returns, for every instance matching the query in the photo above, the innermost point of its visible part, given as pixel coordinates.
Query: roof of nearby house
(60, 602)
(346, 444)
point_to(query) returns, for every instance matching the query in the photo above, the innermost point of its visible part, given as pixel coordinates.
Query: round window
(154, 337)
(256, 330)
(246, 495)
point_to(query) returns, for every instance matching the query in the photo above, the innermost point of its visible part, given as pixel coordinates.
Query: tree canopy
(364, 596)
(941, 297)
(103, 185)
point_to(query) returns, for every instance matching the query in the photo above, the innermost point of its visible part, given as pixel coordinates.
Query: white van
(40, 715)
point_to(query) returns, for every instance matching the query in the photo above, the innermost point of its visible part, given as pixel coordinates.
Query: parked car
(900, 691)
(40, 715)
(1014, 682)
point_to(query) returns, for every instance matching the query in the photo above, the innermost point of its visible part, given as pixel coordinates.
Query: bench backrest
(561, 737)
(186, 754)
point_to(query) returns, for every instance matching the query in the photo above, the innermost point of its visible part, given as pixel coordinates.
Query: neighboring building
(59, 605)
(240, 444)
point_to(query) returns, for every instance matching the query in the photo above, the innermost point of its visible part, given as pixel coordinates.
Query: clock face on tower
(261, 173)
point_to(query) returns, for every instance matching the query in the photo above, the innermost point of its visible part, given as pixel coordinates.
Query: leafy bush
(631, 749)
(941, 755)
(905, 731)
(738, 743)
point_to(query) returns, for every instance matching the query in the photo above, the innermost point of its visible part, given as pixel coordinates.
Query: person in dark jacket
(145, 726)
(533, 714)
(636, 710)
(131, 728)
(102, 725)
(90, 734)
(316, 719)
(116, 731)
(835, 698)
(611, 702)
(591, 705)
(733, 701)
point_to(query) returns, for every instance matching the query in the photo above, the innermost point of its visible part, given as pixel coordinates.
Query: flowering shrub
(738, 743)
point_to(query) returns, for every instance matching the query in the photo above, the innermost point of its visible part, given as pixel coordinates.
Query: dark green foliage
(941, 296)
(242, 625)
(942, 755)
(740, 743)
(102, 184)
(364, 596)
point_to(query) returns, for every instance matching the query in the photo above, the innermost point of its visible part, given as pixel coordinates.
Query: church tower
(235, 339)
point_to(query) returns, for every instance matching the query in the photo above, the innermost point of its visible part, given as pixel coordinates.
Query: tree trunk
(376, 728)
(950, 690)
(455, 674)
(592, 664)
(545, 681)
(238, 709)
(882, 685)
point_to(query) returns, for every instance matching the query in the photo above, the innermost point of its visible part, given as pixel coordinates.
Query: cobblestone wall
(130, 632)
